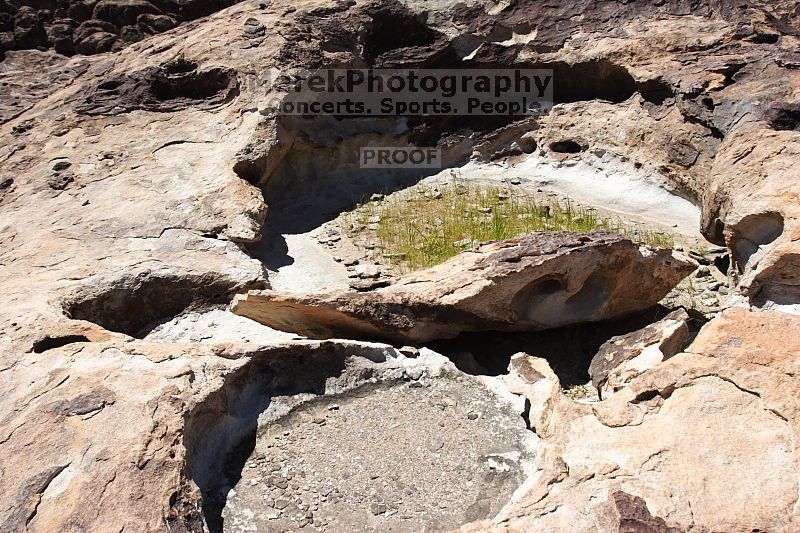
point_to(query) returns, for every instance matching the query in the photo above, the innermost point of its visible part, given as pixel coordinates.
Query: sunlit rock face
(144, 186)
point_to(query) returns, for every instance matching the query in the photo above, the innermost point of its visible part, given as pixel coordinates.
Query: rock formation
(537, 281)
(138, 183)
(657, 454)
(626, 356)
(93, 27)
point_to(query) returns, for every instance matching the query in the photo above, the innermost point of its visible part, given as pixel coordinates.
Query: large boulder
(96, 43)
(81, 11)
(85, 29)
(533, 282)
(6, 22)
(123, 12)
(60, 34)
(28, 29)
(150, 23)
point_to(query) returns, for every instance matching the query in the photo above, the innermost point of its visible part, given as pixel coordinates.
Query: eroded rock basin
(299, 249)
(420, 455)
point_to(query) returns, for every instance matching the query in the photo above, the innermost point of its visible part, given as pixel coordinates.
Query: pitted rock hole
(413, 456)
(313, 173)
(171, 87)
(205, 85)
(180, 66)
(565, 147)
(332, 440)
(541, 292)
(593, 293)
(656, 91)
(785, 118)
(563, 306)
(751, 233)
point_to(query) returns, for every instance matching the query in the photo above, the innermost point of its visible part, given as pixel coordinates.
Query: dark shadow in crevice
(713, 131)
(569, 350)
(655, 91)
(136, 305)
(785, 117)
(765, 38)
(394, 27)
(722, 263)
(233, 465)
(565, 147)
(591, 80)
(50, 343)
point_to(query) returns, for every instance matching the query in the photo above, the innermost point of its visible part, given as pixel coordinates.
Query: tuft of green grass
(426, 226)
(132, 37)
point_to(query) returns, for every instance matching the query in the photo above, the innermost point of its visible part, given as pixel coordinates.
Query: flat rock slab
(426, 455)
(533, 282)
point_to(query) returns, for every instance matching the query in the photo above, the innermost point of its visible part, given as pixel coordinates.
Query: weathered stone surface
(713, 420)
(624, 357)
(533, 282)
(532, 378)
(94, 434)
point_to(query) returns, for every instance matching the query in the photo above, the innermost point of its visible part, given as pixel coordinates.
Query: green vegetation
(132, 37)
(426, 226)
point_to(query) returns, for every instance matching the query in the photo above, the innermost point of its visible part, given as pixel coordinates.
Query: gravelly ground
(412, 456)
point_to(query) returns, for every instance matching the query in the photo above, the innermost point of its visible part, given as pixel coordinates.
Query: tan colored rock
(113, 424)
(714, 420)
(533, 378)
(532, 282)
(95, 434)
(624, 357)
(754, 202)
